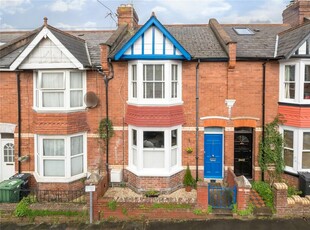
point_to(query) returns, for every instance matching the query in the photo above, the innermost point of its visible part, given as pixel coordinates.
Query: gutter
(19, 122)
(263, 111)
(106, 79)
(197, 116)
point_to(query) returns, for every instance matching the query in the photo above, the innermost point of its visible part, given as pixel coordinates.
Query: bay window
(59, 90)
(296, 151)
(154, 82)
(295, 81)
(154, 151)
(60, 157)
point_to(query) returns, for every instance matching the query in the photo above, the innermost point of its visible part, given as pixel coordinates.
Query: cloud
(14, 6)
(67, 5)
(263, 13)
(6, 27)
(85, 26)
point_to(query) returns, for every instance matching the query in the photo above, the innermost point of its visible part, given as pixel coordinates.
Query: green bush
(188, 179)
(265, 191)
(292, 190)
(112, 205)
(22, 209)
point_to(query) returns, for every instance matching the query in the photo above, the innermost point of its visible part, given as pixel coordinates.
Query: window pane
(134, 137)
(306, 141)
(134, 89)
(288, 139)
(288, 157)
(76, 98)
(76, 165)
(173, 157)
(174, 137)
(53, 99)
(54, 167)
(134, 72)
(153, 159)
(159, 73)
(53, 147)
(134, 157)
(159, 90)
(289, 73)
(76, 145)
(52, 81)
(174, 72)
(306, 160)
(290, 90)
(76, 80)
(148, 87)
(153, 139)
(307, 72)
(148, 72)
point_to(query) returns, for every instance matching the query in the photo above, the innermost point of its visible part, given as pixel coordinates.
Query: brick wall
(294, 206)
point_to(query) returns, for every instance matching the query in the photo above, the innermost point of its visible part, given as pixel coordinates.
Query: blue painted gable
(152, 42)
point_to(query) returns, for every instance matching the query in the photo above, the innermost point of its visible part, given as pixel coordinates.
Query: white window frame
(67, 158)
(167, 170)
(38, 91)
(299, 81)
(297, 148)
(168, 99)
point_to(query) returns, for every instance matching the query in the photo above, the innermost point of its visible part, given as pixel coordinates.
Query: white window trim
(167, 100)
(67, 178)
(297, 148)
(299, 81)
(162, 172)
(67, 91)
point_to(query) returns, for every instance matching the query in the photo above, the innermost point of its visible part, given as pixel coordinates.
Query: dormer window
(243, 31)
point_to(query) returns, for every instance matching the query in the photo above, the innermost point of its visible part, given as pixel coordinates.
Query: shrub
(112, 205)
(292, 190)
(188, 179)
(265, 191)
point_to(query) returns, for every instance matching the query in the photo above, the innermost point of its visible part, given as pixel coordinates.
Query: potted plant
(188, 180)
(151, 193)
(189, 149)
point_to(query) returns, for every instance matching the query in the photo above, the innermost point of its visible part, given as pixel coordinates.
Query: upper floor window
(59, 90)
(154, 82)
(295, 81)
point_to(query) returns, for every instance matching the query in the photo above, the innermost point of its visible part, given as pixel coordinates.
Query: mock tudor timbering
(155, 102)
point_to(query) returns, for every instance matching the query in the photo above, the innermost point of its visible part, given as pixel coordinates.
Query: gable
(152, 41)
(46, 55)
(304, 49)
(48, 47)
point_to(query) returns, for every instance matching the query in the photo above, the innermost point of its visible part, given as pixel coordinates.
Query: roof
(74, 41)
(259, 45)
(292, 39)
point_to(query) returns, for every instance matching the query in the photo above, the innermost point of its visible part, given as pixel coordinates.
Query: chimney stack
(297, 12)
(127, 16)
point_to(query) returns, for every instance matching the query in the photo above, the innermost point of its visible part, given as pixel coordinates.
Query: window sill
(41, 179)
(155, 172)
(59, 110)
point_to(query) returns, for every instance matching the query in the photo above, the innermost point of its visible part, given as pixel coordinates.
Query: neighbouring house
(208, 87)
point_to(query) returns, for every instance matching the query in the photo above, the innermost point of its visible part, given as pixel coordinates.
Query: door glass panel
(8, 152)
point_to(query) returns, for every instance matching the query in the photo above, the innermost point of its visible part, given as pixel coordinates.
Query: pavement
(214, 224)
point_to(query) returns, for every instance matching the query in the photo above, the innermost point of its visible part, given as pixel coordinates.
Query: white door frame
(7, 169)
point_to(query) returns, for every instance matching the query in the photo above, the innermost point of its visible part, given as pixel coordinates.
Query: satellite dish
(90, 99)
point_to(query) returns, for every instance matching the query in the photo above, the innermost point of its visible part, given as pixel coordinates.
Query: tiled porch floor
(256, 200)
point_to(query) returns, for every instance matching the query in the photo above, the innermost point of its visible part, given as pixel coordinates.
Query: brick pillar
(202, 194)
(243, 198)
(280, 198)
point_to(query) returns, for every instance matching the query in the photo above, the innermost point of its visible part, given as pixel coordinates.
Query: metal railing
(57, 196)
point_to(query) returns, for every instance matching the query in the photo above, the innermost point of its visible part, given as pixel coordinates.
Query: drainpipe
(197, 116)
(106, 79)
(263, 112)
(19, 119)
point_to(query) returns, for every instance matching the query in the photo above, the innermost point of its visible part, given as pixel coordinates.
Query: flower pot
(188, 188)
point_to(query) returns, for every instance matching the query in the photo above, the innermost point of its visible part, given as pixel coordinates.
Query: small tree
(270, 150)
(188, 179)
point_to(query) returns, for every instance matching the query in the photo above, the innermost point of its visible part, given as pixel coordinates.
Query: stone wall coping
(202, 184)
(290, 201)
(243, 182)
(297, 199)
(280, 186)
(155, 200)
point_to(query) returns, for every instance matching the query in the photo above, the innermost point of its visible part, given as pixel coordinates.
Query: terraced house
(177, 95)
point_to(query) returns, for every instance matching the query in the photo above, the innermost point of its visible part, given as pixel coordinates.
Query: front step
(262, 212)
(222, 212)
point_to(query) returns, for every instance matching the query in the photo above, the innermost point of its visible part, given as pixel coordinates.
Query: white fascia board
(44, 33)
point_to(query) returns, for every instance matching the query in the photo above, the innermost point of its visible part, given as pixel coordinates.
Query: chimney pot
(45, 21)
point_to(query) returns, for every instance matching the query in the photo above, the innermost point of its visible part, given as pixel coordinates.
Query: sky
(101, 14)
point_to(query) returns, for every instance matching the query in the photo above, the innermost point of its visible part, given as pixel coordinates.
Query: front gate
(221, 197)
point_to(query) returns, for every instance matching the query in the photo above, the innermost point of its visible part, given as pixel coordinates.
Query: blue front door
(213, 156)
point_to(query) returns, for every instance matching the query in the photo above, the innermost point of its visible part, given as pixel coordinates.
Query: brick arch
(215, 121)
(245, 122)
